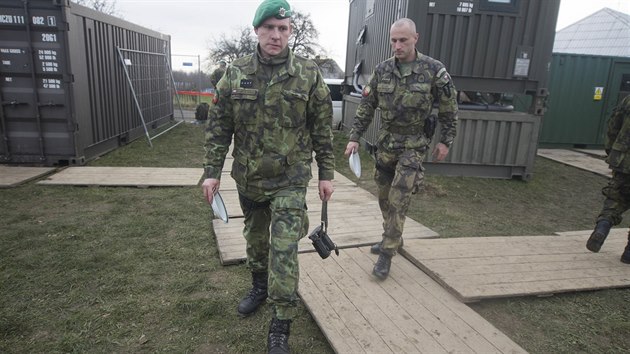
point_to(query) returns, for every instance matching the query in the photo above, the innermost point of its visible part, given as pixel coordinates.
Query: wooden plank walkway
(12, 176)
(354, 219)
(126, 176)
(476, 268)
(577, 159)
(407, 313)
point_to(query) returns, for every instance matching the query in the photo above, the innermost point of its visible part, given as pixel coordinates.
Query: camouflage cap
(271, 8)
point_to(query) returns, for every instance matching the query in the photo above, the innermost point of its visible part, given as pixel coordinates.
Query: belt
(405, 130)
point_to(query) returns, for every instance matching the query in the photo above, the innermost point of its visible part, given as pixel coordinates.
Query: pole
(199, 78)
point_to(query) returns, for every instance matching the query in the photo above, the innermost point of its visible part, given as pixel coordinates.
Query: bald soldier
(278, 109)
(404, 87)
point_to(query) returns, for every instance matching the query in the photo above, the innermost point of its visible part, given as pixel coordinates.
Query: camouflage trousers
(274, 223)
(398, 175)
(617, 193)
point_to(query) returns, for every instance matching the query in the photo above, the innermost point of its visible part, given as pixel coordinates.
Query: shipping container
(491, 48)
(583, 90)
(488, 144)
(70, 82)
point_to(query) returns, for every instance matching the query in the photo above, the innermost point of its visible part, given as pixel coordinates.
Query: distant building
(606, 32)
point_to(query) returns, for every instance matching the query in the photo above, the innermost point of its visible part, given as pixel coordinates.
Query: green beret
(271, 8)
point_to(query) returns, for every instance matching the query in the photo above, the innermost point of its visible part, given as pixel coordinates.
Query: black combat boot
(381, 268)
(376, 248)
(625, 257)
(257, 295)
(599, 235)
(278, 337)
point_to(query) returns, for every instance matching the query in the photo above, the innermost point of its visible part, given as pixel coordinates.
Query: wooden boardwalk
(407, 313)
(577, 159)
(476, 268)
(12, 176)
(354, 219)
(126, 176)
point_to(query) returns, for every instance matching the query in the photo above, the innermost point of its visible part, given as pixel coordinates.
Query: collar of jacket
(418, 68)
(252, 66)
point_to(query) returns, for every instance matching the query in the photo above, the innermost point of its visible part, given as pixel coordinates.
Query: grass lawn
(98, 269)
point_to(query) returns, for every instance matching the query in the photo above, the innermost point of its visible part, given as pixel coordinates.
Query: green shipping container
(583, 90)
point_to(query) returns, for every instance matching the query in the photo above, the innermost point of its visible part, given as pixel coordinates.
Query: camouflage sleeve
(616, 122)
(319, 117)
(365, 111)
(219, 129)
(447, 111)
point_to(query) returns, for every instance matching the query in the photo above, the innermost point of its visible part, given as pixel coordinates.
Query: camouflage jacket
(405, 102)
(277, 124)
(618, 137)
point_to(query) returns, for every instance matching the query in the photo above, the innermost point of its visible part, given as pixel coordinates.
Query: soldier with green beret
(617, 191)
(404, 87)
(277, 108)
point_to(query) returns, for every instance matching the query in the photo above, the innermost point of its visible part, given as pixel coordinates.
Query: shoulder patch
(366, 91)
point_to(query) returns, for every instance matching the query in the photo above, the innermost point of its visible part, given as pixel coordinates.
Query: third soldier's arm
(365, 111)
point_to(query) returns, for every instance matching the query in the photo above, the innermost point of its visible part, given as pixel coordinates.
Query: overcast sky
(194, 24)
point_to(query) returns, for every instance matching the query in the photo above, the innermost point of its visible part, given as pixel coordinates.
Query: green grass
(98, 269)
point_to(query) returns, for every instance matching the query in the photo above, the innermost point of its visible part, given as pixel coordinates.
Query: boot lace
(279, 334)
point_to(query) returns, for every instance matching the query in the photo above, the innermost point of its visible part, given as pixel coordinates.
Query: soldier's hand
(351, 147)
(325, 190)
(210, 186)
(440, 152)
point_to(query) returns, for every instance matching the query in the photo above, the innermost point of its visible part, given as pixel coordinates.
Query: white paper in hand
(355, 163)
(219, 207)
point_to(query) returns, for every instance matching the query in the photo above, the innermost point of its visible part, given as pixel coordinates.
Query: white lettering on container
(10, 51)
(49, 37)
(12, 19)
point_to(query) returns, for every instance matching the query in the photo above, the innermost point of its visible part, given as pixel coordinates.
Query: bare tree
(105, 6)
(228, 49)
(303, 41)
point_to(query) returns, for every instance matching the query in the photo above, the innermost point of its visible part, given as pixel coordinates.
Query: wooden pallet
(407, 313)
(12, 176)
(126, 176)
(477, 268)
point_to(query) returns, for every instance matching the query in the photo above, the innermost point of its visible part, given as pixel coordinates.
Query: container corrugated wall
(65, 97)
(488, 144)
(485, 47)
(576, 115)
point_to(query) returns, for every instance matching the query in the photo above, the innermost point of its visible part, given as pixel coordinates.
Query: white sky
(193, 24)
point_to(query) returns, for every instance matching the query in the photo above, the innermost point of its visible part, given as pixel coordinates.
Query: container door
(619, 88)
(34, 124)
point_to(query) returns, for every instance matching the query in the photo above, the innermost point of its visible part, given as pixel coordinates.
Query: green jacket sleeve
(365, 111)
(319, 116)
(219, 130)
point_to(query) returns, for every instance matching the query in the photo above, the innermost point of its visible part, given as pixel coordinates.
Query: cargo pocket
(294, 109)
(385, 95)
(245, 104)
(239, 170)
(409, 173)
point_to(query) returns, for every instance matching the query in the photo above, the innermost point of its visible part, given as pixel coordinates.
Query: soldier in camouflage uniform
(279, 110)
(217, 74)
(404, 88)
(617, 192)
